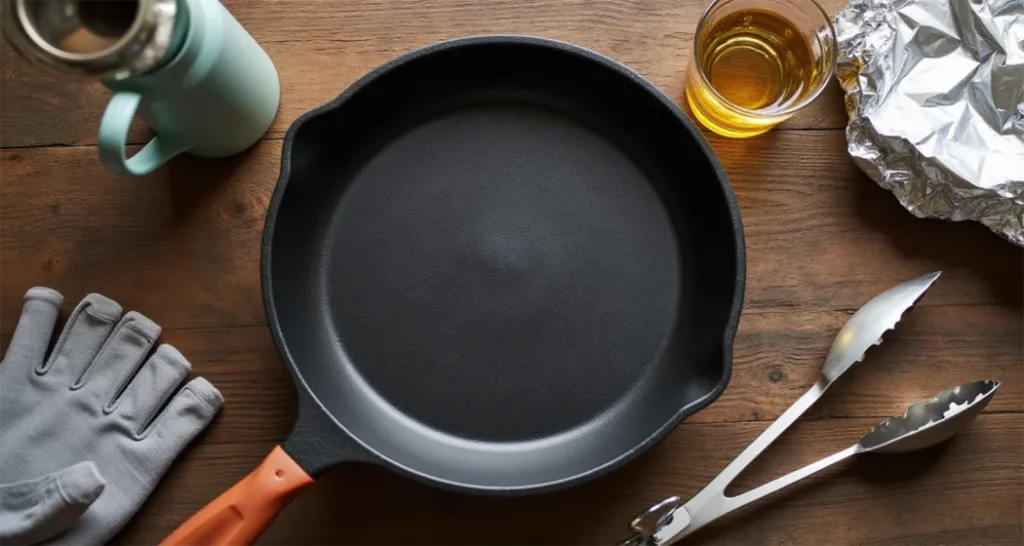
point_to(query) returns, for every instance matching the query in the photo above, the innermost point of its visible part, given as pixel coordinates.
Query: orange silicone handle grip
(241, 513)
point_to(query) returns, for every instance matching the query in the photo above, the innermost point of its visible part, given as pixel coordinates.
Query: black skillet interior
(501, 264)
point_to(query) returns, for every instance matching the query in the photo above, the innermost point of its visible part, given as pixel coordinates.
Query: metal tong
(669, 520)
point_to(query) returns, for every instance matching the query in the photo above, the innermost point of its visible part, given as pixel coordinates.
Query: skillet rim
(305, 393)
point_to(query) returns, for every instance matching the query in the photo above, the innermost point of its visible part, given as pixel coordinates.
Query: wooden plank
(184, 242)
(918, 507)
(321, 50)
(41, 109)
(778, 355)
(147, 243)
(803, 201)
(967, 491)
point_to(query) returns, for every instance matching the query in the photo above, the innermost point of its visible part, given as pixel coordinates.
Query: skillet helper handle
(242, 513)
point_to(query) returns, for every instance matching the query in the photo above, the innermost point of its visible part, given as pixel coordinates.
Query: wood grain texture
(968, 491)
(908, 499)
(320, 48)
(182, 246)
(777, 356)
(185, 240)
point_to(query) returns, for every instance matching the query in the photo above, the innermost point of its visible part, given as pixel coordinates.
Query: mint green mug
(215, 95)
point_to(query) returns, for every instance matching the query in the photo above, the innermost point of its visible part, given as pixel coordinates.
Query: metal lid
(91, 37)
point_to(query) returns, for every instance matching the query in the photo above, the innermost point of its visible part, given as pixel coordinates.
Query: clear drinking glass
(756, 62)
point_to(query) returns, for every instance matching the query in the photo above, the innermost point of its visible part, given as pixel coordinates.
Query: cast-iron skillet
(497, 265)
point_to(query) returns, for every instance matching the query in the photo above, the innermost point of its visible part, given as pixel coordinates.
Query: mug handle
(117, 119)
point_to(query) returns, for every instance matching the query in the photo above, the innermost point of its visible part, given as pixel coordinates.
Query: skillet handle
(242, 513)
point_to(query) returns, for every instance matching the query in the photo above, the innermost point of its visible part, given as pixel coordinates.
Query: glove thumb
(35, 510)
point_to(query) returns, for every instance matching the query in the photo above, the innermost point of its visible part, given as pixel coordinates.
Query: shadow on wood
(967, 245)
(898, 467)
(196, 180)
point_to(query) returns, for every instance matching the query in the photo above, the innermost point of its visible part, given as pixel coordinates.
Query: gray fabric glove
(96, 398)
(35, 510)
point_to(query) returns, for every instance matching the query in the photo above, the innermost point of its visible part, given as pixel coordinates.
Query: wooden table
(182, 246)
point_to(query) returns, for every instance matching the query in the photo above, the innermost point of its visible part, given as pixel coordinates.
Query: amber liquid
(756, 60)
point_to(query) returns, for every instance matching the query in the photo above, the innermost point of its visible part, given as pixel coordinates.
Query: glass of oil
(756, 62)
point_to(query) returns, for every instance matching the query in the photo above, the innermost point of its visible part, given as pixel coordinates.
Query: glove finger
(156, 381)
(35, 510)
(35, 327)
(119, 358)
(185, 416)
(86, 330)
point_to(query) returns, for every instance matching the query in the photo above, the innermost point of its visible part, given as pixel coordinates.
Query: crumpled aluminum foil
(935, 93)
